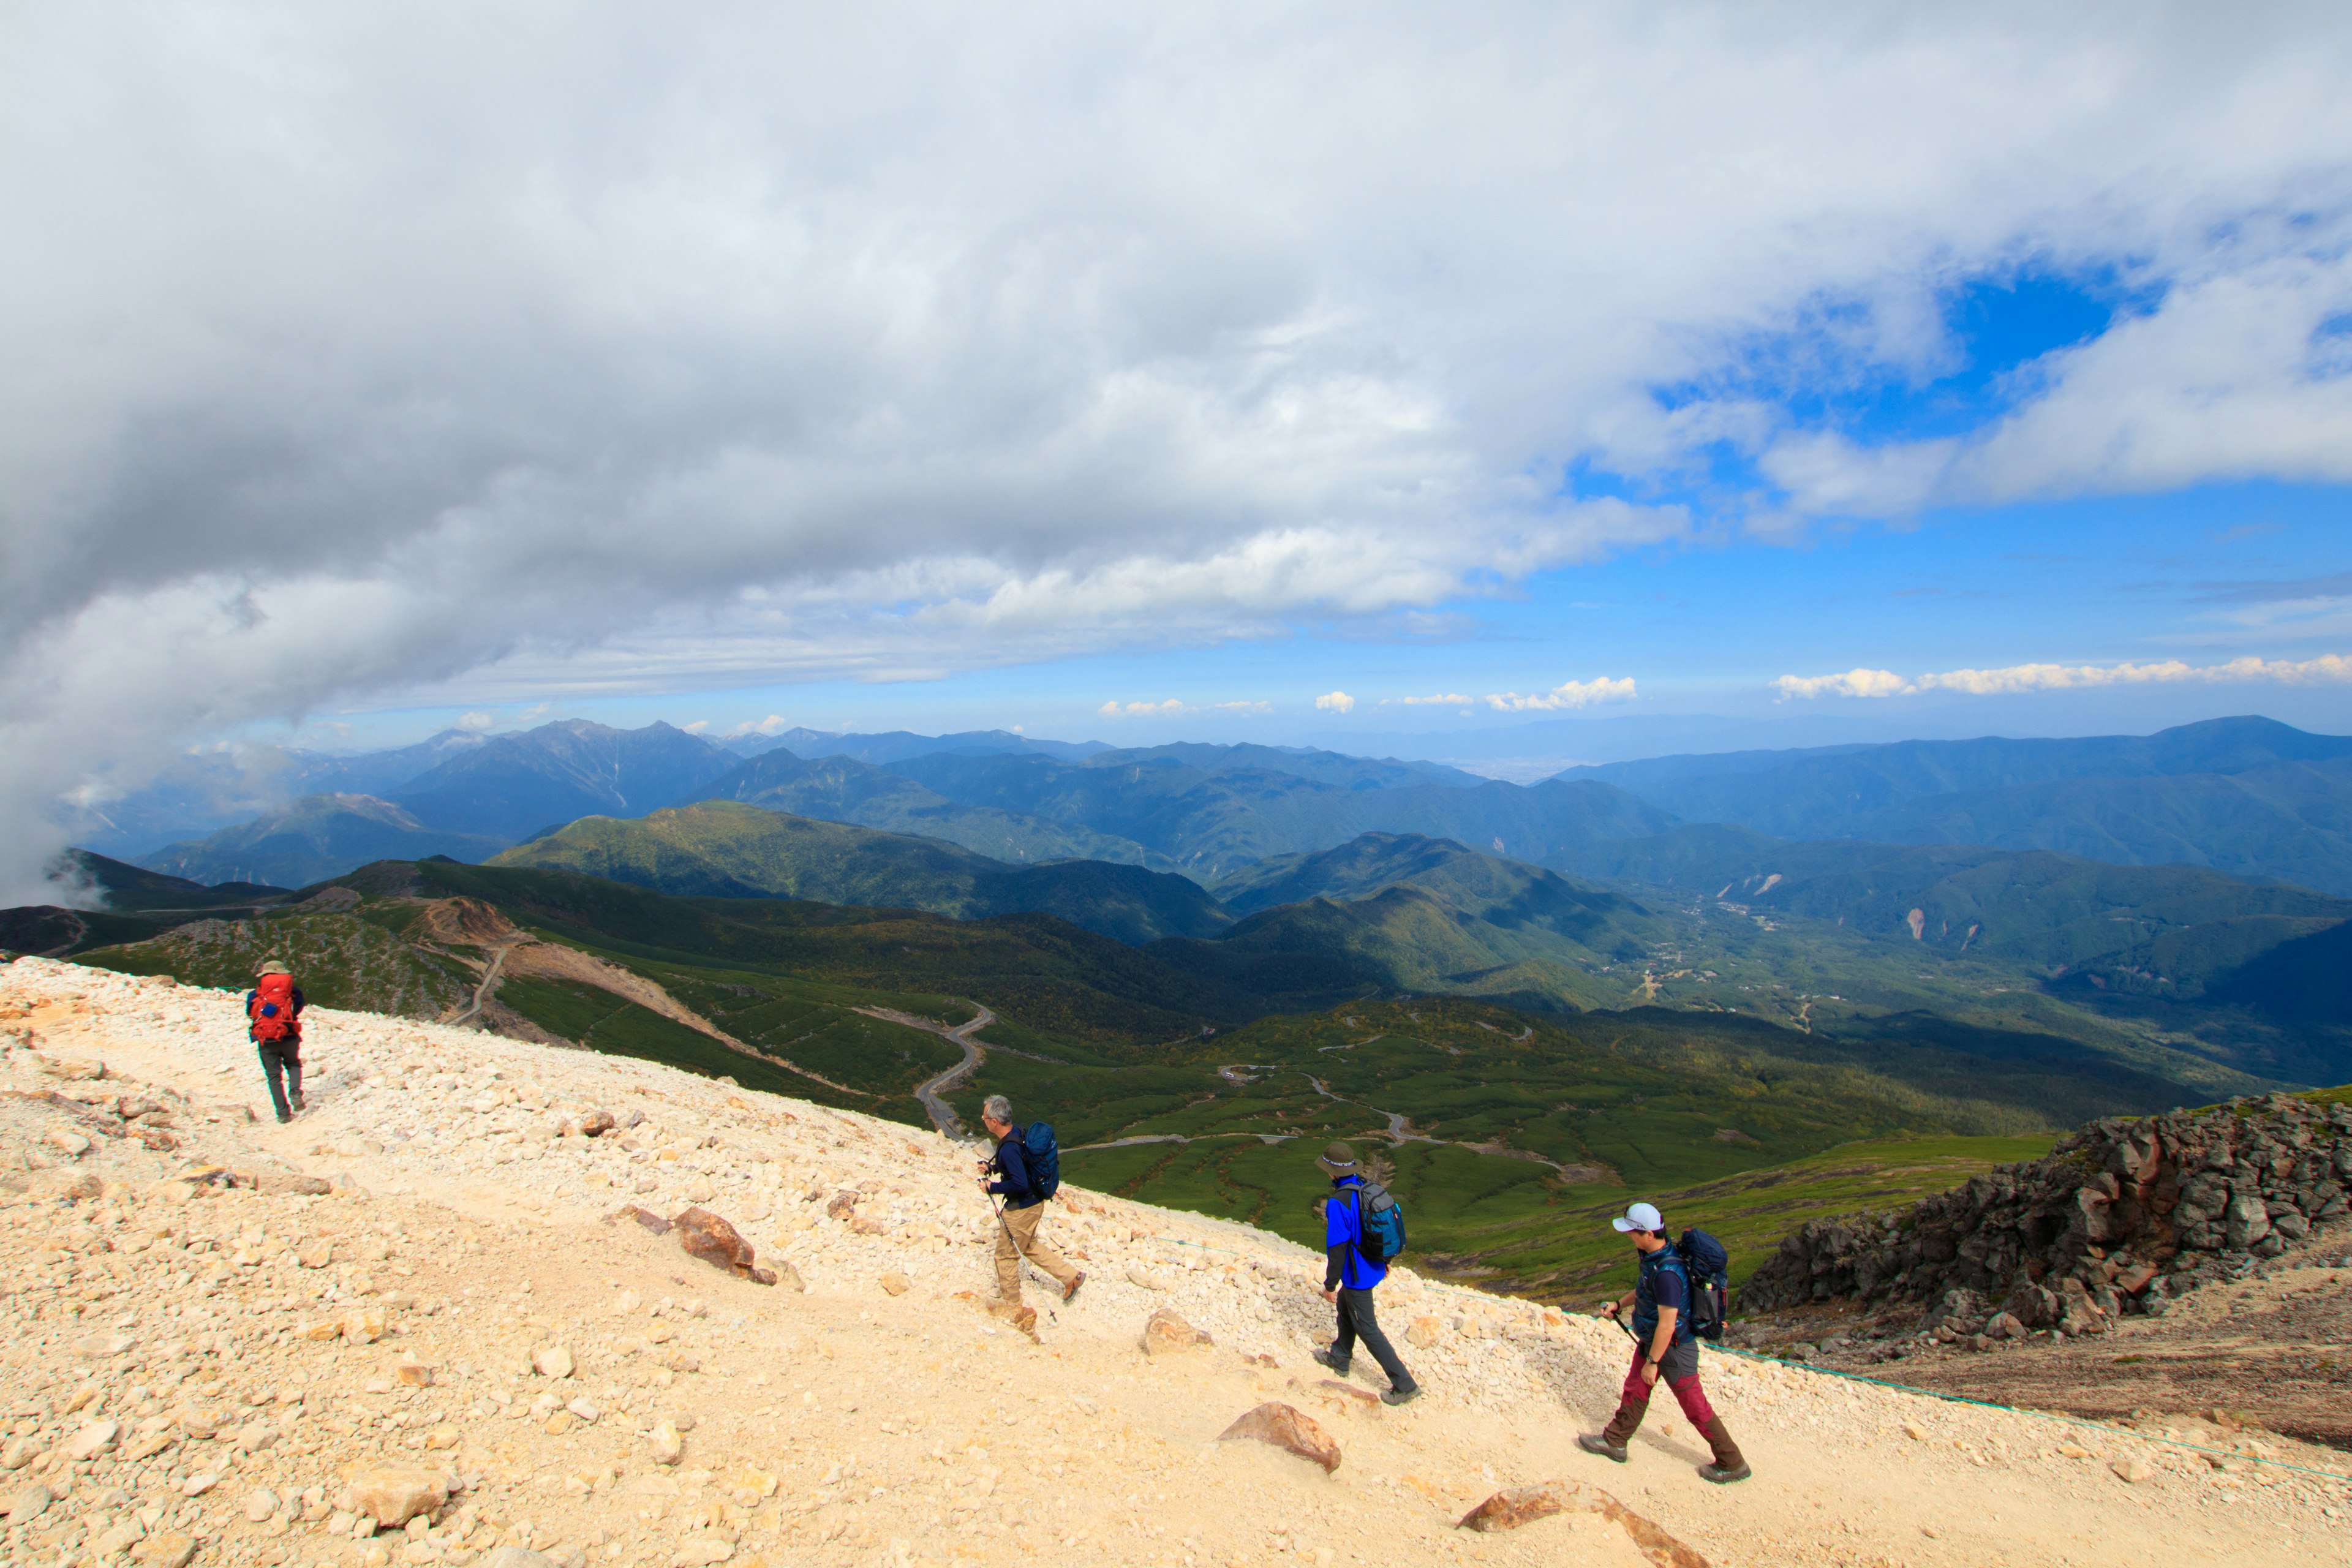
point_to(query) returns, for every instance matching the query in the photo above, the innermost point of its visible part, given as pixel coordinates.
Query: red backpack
(272, 1008)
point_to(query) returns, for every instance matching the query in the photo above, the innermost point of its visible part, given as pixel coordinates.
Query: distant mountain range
(1334, 875)
(2250, 796)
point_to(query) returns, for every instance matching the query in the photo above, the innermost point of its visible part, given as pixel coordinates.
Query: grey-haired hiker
(1349, 1279)
(1664, 1347)
(273, 1015)
(1023, 1211)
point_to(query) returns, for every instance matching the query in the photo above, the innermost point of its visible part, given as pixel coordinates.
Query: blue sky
(2203, 576)
(1825, 369)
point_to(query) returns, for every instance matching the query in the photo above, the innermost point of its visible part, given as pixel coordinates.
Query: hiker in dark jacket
(1349, 1279)
(1024, 1210)
(1664, 1347)
(273, 1022)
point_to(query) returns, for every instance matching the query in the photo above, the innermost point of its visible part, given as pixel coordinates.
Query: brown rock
(1422, 1333)
(1164, 1333)
(1287, 1427)
(842, 1205)
(394, 1495)
(705, 1236)
(412, 1374)
(1514, 1506)
(790, 1277)
(896, 1284)
(595, 1124)
(282, 1185)
(647, 1218)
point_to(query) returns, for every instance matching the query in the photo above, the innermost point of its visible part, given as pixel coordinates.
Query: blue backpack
(1044, 1158)
(1707, 1265)
(1379, 1221)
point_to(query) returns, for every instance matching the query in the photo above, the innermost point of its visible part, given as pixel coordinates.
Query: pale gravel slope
(903, 1427)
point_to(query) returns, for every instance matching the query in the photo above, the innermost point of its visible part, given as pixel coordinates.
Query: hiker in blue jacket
(1024, 1208)
(1349, 1279)
(1664, 1348)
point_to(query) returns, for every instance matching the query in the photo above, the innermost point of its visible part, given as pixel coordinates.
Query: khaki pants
(1017, 1239)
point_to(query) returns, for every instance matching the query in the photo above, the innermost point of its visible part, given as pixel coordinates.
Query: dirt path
(489, 983)
(931, 1089)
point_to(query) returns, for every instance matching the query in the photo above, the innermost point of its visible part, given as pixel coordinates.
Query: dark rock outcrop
(2123, 1218)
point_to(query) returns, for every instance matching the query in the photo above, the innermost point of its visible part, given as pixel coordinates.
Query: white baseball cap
(1641, 1216)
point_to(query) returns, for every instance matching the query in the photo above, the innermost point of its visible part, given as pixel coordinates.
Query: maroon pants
(1683, 1382)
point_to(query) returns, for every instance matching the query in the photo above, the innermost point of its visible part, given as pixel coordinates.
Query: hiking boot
(1402, 1395)
(284, 1116)
(298, 1100)
(1593, 1443)
(1727, 1466)
(1326, 1359)
(1070, 1291)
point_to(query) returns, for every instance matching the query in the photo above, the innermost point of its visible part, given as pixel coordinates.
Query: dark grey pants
(281, 1062)
(1359, 1322)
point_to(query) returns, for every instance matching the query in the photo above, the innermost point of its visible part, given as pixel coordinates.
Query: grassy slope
(727, 849)
(842, 789)
(1663, 1103)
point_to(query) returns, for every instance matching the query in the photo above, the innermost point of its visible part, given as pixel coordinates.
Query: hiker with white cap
(1664, 1347)
(1363, 1230)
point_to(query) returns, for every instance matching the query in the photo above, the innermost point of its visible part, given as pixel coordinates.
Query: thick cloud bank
(355, 348)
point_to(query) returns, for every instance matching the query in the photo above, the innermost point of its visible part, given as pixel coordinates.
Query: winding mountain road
(929, 1090)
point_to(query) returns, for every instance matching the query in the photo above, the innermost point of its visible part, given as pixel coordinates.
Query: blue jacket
(1664, 1282)
(1344, 1266)
(1013, 1168)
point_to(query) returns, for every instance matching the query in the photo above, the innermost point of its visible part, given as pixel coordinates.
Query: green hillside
(841, 789)
(1524, 1133)
(727, 849)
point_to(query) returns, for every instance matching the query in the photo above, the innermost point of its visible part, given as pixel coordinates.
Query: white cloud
(2023, 678)
(1335, 702)
(500, 352)
(1445, 699)
(1567, 694)
(1174, 706)
(476, 723)
(698, 727)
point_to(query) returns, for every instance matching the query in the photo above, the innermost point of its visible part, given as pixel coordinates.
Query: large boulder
(1286, 1428)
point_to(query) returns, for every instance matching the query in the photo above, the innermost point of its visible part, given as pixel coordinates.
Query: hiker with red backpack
(1027, 1169)
(1678, 1294)
(1363, 1230)
(273, 1012)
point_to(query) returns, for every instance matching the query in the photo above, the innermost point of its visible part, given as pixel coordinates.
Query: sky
(1518, 383)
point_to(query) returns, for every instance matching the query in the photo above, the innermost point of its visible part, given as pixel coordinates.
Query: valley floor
(257, 1347)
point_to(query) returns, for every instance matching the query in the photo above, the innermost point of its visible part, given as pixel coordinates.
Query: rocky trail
(446, 1316)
